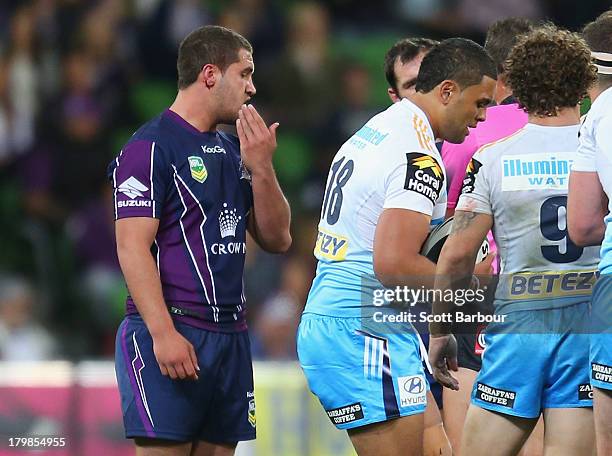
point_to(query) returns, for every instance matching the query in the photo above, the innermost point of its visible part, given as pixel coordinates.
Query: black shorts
(470, 336)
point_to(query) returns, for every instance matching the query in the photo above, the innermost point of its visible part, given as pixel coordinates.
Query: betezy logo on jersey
(424, 175)
(213, 150)
(412, 390)
(469, 180)
(132, 188)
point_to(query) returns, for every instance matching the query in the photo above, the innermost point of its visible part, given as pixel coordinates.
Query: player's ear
(393, 95)
(446, 90)
(208, 75)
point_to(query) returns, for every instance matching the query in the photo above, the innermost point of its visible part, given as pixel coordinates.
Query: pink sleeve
(456, 158)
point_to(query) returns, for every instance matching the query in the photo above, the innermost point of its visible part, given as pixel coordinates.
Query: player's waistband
(223, 319)
(546, 285)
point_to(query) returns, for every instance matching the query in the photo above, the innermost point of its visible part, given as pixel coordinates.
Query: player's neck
(193, 112)
(502, 91)
(565, 117)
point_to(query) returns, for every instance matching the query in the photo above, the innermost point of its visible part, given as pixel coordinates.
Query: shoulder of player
(493, 150)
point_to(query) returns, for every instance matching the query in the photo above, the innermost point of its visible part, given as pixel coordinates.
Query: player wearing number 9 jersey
(536, 360)
(384, 190)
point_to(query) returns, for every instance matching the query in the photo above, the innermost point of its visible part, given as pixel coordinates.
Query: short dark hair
(406, 49)
(502, 35)
(598, 35)
(457, 59)
(209, 44)
(550, 69)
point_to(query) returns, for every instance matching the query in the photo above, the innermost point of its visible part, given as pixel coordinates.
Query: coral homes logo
(424, 175)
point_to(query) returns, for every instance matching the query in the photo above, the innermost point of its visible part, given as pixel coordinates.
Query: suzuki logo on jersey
(469, 180)
(424, 175)
(536, 171)
(132, 203)
(228, 221)
(213, 150)
(132, 188)
(198, 170)
(412, 390)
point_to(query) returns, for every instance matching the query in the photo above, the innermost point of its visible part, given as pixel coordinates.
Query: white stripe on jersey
(212, 280)
(151, 175)
(115, 183)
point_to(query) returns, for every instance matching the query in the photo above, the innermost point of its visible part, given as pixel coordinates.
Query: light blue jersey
(595, 155)
(391, 162)
(522, 181)
(365, 375)
(545, 280)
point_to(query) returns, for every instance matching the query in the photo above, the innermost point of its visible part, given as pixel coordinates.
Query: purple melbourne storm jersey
(197, 187)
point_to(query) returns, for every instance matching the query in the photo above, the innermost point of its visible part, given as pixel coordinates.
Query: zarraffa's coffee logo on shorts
(424, 175)
(346, 414)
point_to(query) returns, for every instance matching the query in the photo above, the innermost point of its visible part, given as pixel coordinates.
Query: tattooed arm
(456, 263)
(454, 271)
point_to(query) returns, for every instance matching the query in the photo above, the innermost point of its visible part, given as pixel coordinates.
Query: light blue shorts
(359, 377)
(536, 359)
(601, 337)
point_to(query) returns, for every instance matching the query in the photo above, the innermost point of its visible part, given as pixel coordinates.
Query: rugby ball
(437, 237)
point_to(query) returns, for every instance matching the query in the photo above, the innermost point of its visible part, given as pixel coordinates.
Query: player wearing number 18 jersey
(384, 189)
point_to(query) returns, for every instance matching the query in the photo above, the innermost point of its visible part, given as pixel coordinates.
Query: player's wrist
(161, 329)
(262, 169)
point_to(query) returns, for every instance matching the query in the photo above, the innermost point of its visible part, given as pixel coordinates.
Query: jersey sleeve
(476, 190)
(603, 137)
(585, 156)
(139, 182)
(415, 184)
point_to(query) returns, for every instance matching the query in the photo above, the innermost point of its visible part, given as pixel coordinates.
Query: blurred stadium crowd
(77, 77)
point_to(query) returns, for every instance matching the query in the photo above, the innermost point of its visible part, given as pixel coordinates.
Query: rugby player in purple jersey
(185, 196)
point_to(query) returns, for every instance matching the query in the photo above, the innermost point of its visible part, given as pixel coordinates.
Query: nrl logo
(252, 417)
(198, 170)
